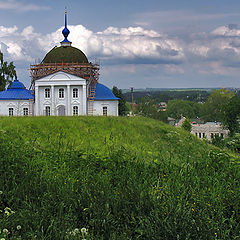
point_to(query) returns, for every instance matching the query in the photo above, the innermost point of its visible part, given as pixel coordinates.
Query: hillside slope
(121, 178)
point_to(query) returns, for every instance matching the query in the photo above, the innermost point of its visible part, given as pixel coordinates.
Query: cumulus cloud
(133, 44)
(231, 30)
(4, 31)
(217, 51)
(113, 45)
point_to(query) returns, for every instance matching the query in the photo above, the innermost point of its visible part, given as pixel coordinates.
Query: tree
(189, 109)
(147, 107)
(122, 108)
(7, 72)
(187, 125)
(212, 109)
(231, 113)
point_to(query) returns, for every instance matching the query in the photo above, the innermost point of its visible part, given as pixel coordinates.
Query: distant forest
(167, 95)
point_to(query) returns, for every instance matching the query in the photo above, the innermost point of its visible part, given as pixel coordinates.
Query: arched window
(10, 111)
(75, 93)
(104, 111)
(75, 110)
(61, 93)
(47, 111)
(25, 111)
(47, 92)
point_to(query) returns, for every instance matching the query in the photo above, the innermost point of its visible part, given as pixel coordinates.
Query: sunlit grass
(120, 178)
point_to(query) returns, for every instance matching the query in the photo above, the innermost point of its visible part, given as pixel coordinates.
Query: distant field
(120, 178)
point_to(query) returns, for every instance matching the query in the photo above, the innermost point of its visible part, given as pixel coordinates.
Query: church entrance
(61, 111)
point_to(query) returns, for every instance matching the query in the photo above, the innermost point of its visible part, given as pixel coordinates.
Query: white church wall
(112, 107)
(17, 106)
(60, 105)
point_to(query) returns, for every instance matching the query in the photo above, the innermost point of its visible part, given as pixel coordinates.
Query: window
(75, 93)
(196, 134)
(203, 135)
(10, 111)
(47, 111)
(61, 93)
(75, 110)
(222, 136)
(47, 92)
(104, 111)
(200, 135)
(25, 111)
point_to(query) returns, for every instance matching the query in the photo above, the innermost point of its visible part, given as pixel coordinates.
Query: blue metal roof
(16, 91)
(16, 85)
(104, 93)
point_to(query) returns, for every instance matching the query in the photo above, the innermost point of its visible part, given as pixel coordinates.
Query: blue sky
(139, 44)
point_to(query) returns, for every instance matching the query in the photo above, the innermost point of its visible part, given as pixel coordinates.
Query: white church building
(65, 83)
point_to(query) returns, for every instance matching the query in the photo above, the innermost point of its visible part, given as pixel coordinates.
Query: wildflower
(7, 212)
(19, 227)
(76, 230)
(5, 231)
(2, 239)
(1, 192)
(84, 230)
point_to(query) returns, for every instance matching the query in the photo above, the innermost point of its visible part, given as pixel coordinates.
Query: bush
(187, 125)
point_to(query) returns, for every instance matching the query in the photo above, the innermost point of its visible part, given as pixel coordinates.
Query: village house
(207, 131)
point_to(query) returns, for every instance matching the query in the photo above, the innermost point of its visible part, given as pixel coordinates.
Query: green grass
(121, 178)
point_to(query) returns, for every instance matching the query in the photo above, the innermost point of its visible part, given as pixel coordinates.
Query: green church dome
(65, 54)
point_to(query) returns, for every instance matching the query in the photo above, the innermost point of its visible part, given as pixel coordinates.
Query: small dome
(65, 54)
(104, 93)
(16, 85)
(16, 91)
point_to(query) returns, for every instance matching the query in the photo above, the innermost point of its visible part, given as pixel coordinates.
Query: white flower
(6, 212)
(76, 230)
(18, 227)
(83, 230)
(5, 230)
(1, 192)
(2, 239)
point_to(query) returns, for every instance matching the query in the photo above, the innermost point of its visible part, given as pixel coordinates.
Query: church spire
(65, 33)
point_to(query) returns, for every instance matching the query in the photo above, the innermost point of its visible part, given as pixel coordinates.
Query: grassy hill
(120, 178)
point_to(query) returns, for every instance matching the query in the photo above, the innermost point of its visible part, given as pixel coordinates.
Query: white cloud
(20, 6)
(113, 44)
(227, 31)
(15, 50)
(4, 31)
(215, 52)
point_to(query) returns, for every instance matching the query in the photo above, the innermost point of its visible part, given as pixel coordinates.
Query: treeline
(220, 106)
(165, 96)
